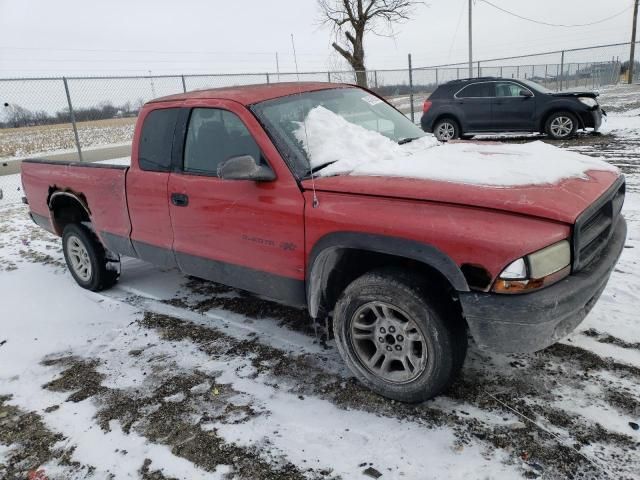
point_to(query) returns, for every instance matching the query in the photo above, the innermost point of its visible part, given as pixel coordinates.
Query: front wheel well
(347, 264)
(545, 117)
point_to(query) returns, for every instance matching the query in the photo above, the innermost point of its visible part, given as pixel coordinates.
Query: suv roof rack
(461, 80)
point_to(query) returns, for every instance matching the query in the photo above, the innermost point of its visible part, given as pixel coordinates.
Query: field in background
(25, 141)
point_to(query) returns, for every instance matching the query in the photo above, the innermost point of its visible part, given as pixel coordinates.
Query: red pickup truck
(220, 188)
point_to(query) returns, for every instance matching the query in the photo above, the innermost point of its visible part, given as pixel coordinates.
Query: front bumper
(532, 321)
(592, 118)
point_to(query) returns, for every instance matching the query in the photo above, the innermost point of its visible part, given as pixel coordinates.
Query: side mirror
(525, 93)
(244, 167)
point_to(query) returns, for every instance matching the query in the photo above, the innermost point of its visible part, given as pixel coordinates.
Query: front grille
(595, 225)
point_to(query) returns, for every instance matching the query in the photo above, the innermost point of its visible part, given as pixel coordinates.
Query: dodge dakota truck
(220, 188)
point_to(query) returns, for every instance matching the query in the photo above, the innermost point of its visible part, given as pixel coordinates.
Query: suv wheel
(446, 129)
(561, 125)
(87, 259)
(396, 340)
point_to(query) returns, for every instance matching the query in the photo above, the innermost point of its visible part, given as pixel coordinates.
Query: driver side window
(508, 89)
(213, 136)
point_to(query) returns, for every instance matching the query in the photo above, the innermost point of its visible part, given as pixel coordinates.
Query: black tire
(101, 272)
(443, 331)
(447, 129)
(557, 127)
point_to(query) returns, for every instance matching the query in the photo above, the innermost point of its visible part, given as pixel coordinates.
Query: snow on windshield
(328, 137)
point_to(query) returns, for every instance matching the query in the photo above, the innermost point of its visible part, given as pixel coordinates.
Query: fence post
(501, 73)
(458, 73)
(411, 90)
(561, 69)
(479, 70)
(329, 77)
(73, 118)
(375, 77)
(184, 85)
(518, 71)
(437, 83)
(267, 75)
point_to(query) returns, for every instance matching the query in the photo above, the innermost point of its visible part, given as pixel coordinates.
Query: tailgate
(101, 186)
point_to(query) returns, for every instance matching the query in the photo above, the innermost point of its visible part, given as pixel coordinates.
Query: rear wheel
(446, 129)
(561, 125)
(89, 264)
(395, 339)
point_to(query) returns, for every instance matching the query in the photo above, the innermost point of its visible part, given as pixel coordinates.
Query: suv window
(214, 136)
(508, 89)
(477, 90)
(156, 140)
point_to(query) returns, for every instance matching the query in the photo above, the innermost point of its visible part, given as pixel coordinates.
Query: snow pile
(358, 151)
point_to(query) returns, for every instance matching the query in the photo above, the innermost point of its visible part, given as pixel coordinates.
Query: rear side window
(477, 90)
(156, 140)
(214, 136)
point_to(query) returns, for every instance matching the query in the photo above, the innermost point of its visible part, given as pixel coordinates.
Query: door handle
(179, 199)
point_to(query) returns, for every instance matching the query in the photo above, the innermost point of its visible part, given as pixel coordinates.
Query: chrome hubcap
(388, 342)
(561, 126)
(445, 131)
(79, 258)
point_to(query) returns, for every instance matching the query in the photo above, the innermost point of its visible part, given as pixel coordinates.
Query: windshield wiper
(317, 168)
(402, 141)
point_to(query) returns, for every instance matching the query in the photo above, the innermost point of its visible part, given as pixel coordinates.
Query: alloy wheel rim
(79, 258)
(388, 343)
(445, 131)
(561, 126)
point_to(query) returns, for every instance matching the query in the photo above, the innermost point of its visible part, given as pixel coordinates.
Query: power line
(555, 24)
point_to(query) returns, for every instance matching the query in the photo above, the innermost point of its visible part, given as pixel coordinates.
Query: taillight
(426, 106)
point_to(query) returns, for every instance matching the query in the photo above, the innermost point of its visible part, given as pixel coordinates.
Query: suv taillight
(426, 106)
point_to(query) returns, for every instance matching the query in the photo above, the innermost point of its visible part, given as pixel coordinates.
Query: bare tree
(354, 18)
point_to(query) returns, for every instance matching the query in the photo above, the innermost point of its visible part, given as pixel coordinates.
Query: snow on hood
(328, 137)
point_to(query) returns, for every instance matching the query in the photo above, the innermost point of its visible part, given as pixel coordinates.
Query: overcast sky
(82, 37)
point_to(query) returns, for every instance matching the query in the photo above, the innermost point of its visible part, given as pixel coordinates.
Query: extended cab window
(477, 90)
(214, 136)
(156, 140)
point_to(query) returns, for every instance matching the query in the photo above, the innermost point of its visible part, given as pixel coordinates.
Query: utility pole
(632, 55)
(471, 40)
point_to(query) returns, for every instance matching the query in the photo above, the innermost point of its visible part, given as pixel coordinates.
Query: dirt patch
(32, 443)
(610, 339)
(79, 376)
(218, 296)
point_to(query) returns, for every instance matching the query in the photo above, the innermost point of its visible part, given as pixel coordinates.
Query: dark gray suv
(463, 108)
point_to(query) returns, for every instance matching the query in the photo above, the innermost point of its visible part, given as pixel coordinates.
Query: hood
(563, 201)
(577, 93)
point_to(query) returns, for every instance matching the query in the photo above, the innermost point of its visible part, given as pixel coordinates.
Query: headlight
(588, 101)
(536, 270)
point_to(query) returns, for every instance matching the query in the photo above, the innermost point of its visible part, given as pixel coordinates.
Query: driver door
(241, 233)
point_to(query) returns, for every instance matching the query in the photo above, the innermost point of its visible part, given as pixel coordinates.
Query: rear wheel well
(450, 116)
(350, 264)
(67, 208)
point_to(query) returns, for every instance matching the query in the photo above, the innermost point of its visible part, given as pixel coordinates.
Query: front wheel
(87, 260)
(561, 125)
(446, 129)
(395, 340)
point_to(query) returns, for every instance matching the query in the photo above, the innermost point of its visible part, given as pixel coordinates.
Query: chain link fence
(75, 117)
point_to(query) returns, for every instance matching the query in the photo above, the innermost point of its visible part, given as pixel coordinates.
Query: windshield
(536, 86)
(282, 117)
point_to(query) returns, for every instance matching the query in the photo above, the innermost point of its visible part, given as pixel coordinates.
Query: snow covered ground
(167, 376)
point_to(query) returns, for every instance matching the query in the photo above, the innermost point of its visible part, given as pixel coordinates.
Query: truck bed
(101, 186)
